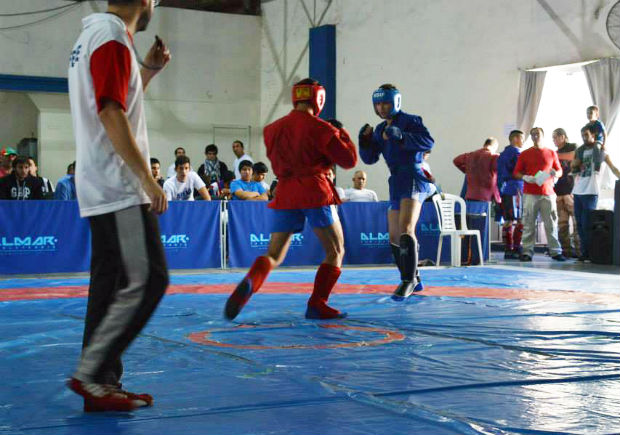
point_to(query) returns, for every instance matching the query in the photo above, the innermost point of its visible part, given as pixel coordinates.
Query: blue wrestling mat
(482, 351)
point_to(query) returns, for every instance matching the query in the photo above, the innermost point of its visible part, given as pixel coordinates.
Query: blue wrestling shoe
(418, 285)
(403, 291)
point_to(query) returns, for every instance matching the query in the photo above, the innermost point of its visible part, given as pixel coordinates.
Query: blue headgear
(387, 96)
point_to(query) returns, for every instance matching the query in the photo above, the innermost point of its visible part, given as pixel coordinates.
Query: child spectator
(600, 132)
(245, 188)
(259, 169)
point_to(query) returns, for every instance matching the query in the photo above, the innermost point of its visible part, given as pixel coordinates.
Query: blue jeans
(583, 205)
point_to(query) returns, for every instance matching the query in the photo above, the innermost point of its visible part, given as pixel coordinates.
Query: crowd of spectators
(561, 186)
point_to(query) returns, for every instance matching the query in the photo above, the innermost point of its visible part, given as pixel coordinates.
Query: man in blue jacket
(402, 139)
(65, 188)
(511, 191)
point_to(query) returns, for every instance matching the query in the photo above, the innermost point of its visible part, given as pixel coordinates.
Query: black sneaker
(511, 255)
(559, 257)
(525, 257)
(403, 291)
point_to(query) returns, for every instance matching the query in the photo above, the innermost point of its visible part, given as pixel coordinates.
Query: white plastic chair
(445, 207)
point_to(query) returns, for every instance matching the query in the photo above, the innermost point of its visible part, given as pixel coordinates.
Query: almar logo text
(28, 244)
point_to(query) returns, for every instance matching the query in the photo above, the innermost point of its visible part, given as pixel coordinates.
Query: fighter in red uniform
(302, 148)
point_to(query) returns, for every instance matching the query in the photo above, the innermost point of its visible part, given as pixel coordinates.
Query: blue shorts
(292, 221)
(406, 187)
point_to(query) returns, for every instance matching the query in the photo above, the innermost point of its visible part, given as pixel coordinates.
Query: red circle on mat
(204, 337)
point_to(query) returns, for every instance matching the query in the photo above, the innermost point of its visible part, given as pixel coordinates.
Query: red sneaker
(101, 398)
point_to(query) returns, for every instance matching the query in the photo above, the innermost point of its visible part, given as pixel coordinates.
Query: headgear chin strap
(313, 94)
(387, 96)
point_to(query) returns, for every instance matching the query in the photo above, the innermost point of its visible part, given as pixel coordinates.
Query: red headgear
(313, 94)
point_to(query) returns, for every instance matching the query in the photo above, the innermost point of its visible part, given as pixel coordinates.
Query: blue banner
(190, 233)
(50, 236)
(248, 237)
(366, 237)
(43, 237)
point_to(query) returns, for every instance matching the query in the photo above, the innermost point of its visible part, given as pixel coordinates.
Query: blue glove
(393, 132)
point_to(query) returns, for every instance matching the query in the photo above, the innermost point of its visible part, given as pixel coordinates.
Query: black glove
(335, 123)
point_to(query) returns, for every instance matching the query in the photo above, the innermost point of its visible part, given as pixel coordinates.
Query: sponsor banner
(50, 236)
(248, 237)
(190, 233)
(43, 237)
(366, 237)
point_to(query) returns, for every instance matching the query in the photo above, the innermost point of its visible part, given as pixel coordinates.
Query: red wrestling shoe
(146, 398)
(238, 299)
(101, 398)
(322, 311)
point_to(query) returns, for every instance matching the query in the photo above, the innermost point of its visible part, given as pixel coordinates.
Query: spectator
(259, 169)
(65, 188)
(156, 171)
(7, 155)
(511, 191)
(181, 187)
(245, 188)
(586, 167)
(332, 177)
(171, 172)
(237, 147)
(359, 193)
(212, 169)
(480, 169)
(538, 166)
(564, 191)
(48, 188)
(19, 184)
(600, 132)
(221, 190)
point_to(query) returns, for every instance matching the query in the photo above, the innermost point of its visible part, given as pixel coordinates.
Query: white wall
(213, 79)
(456, 63)
(18, 118)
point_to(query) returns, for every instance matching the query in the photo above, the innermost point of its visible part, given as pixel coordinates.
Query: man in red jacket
(302, 148)
(480, 167)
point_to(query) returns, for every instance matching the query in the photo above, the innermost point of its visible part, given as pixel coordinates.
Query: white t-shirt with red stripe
(103, 66)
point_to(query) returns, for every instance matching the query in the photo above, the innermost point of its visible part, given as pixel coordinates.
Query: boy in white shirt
(181, 187)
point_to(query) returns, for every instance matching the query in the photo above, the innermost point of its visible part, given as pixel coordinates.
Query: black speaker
(601, 236)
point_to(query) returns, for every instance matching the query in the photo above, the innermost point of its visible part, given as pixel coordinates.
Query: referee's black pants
(128, 278)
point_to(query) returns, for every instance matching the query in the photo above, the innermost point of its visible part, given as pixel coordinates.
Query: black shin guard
(408, 257)
(396, 254)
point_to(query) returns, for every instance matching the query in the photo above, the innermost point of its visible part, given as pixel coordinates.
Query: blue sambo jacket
(402, 154)
(506, 163)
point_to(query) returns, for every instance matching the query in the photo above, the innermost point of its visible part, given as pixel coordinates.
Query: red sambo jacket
(301, 148)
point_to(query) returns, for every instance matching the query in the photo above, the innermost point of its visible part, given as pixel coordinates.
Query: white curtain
(530, 90)
(603, 79)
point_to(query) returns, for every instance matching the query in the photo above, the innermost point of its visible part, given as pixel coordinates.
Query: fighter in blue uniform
(402, 139)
